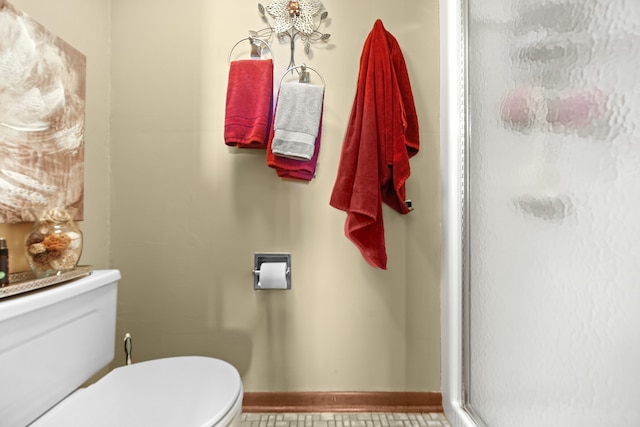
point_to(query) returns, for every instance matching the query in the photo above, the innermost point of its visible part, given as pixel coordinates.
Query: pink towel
(249, 103)
(381, 137)
(287, 167)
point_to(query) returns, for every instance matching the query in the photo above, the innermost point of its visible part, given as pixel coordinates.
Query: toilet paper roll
(273, 275)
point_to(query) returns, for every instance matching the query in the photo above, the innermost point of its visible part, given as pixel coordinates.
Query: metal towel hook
(304, 74)
(255, 48)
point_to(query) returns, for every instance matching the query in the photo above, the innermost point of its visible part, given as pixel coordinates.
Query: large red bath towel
(381, 137)
(249, 103)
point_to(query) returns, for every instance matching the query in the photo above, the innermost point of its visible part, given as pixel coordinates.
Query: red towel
(249, 103)
(287, 167)
(381, 137)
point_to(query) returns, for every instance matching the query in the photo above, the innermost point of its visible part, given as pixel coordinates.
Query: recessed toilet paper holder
(260, 258)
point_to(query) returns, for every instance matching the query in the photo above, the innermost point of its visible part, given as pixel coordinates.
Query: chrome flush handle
(128, 346)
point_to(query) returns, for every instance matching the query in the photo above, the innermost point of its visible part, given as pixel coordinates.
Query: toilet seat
(190, 391)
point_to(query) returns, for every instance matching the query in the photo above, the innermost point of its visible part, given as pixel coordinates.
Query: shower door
(541, 210)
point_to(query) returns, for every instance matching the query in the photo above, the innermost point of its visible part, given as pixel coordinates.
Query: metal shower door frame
(454, 218)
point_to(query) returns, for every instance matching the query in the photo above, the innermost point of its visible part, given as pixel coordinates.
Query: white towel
(297, 120)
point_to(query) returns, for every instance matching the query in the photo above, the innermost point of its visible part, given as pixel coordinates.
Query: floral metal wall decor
(42, 106)
(301, 18)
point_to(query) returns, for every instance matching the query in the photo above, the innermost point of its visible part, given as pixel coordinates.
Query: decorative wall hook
(294, 18)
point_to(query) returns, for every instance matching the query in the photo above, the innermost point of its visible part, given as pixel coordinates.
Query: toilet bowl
(172, 392)
(58, 338)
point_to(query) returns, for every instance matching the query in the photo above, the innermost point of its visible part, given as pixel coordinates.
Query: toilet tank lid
(177, 391)
(25, 303)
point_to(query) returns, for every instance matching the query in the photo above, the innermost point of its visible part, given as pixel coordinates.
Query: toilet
(55, 339)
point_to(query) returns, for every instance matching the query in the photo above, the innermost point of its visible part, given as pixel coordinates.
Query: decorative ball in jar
(54, 244)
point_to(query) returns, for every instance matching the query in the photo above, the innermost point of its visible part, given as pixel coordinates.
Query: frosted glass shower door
(552, 198)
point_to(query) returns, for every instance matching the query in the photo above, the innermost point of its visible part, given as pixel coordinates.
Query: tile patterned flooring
(343, 420)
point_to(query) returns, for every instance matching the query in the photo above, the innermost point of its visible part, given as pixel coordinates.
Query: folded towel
(249, 103)
(381, 137)
(297, 120)
(292, 168)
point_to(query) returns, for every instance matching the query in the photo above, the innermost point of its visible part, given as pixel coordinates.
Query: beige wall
(187, 213)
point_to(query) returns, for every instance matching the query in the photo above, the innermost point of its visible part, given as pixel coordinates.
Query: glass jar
(54, 244)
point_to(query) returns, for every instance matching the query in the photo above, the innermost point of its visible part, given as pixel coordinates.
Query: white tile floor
(344, 420)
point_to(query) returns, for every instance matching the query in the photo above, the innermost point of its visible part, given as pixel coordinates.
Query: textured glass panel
(554, 211)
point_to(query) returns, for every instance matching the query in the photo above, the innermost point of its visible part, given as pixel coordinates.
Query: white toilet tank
(52, 341)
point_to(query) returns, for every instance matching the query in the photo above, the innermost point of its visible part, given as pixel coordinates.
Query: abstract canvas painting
(42, 113)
